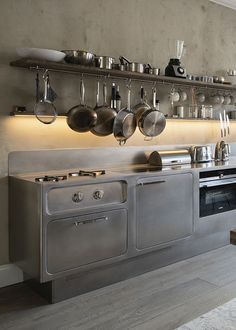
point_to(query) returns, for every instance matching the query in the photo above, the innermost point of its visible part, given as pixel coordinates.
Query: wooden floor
(162, 299)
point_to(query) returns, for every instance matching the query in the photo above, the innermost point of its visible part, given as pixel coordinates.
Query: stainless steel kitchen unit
(75, 228)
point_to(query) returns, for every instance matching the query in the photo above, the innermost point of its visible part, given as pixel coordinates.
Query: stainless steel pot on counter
(201, 154)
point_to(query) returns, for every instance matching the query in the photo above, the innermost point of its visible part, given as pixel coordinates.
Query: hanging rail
(116, 74)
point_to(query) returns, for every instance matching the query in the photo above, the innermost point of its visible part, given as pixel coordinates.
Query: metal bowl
(79, 57)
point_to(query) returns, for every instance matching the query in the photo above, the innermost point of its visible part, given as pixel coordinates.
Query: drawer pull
(151, 182)
(79, 223)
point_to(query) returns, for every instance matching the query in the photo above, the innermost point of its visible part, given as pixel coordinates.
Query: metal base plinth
(68, 287)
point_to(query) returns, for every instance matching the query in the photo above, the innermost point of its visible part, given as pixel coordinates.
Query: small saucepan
(152, 121)
(150, 70)
(124, 123)
(133, 66)
(81, 118)
(104, 62)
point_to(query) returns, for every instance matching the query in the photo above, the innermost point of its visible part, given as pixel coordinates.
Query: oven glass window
(217, 199)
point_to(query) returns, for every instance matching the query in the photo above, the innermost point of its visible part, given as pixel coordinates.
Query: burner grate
(51, 178)
(94, 173)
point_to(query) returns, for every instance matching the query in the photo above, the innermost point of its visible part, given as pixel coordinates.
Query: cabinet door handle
(85, 222)
(151, 182)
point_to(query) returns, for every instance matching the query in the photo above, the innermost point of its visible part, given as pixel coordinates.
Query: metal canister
(203, 112)
(180, 111)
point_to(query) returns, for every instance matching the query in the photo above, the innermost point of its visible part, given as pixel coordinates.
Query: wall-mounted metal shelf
(93, 71)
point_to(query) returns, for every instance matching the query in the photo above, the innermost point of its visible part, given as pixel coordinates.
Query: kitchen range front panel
(64, 199)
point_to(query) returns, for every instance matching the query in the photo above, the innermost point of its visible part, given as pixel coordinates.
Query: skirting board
(10, 274)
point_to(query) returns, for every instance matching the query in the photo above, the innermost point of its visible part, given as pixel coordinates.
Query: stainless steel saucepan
(133, 66)
(104, 62)
(152, 121)
(124, 123)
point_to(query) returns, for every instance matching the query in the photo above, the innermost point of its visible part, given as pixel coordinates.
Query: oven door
(217, 197)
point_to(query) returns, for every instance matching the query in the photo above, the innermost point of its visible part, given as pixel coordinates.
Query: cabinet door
(78, 241)
(164, 209)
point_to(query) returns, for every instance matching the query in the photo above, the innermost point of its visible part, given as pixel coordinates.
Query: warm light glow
(29, 133)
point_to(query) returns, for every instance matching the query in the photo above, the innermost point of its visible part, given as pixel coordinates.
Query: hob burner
(53, 178)
(87, 173)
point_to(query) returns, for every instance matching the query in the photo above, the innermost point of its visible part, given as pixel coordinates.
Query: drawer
(79, 241)
(64, 199)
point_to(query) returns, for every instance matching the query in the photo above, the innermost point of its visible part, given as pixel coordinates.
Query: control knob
(98, 194)
(78, 197)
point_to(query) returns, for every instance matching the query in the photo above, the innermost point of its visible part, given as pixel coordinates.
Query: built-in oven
(217, 191)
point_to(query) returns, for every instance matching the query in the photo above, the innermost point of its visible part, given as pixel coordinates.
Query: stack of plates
(41, 54)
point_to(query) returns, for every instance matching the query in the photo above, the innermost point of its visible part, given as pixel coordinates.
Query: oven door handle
(216, 183)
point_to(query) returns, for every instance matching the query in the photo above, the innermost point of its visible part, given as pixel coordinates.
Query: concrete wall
(138, 29)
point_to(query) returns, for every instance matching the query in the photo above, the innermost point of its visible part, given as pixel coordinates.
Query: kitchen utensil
(152, 122)
(173, 97)
(133, 66)
(222, 151)
(225, 123)
(156, 71)
(118, 66)
(227, 100)
(105, 115)
(142, 106)
(81, 57)
(200, 154)
(215, 99)
(113, 96)
(125, 122)
(222, 98)
(233, 100)
(180, 111)
(218, 79)
(44, 110)
(182, 96)
(228, 128)
(37, 98)
(148, 69)
(41, 54)
(200, 97)
(118, 99)
(104, 62)
(231, 76)
(221, 126)
(81, 118)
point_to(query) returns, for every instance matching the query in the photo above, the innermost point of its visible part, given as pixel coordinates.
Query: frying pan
(105, 115)
(124, 123)
(81, 118)
(152, 122)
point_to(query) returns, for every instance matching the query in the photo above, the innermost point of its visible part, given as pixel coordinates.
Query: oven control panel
(63, 199)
